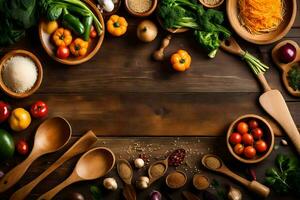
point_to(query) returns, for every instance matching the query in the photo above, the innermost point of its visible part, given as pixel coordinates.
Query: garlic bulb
(110, 184)
(107, 5)
(234, 194)
(142, 182)
(139, 163)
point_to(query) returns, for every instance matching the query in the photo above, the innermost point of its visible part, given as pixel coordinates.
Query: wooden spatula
(271, 100)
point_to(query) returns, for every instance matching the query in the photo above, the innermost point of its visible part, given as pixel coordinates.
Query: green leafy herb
(219, 189)
(294, 77)
(285, 176)
(207, 26)
(96, 192)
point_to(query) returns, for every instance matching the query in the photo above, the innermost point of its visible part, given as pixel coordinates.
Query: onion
(287, 53)
(146, 31)
(155, 195)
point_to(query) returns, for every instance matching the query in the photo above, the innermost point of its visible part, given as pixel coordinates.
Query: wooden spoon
(50, 136)
(82, 145)
(215, 163)
(163, 164)
(94, 164)
(189, 196)
(272, 101)
(125, 172)
(285, 68)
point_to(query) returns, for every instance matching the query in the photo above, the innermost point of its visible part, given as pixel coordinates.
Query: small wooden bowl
(285, 67)
(268, 138)
(178, 186)
(106, 14)
(139, 14)
(211, 6)
(201, 186)
(94, 44)
(39, 76)
(265, 38)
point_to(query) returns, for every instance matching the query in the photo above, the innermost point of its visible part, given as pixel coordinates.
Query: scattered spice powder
(140, 6)
(213, 162)
(157, 170)
(176, 180)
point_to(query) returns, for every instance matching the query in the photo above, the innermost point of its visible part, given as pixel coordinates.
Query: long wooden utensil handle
(51, 193)
(82, 145)
(158, 55)
(262, 79)
(14, 175)
(129, 192)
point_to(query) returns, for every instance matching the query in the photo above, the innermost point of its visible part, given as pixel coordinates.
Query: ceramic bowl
(38, 65)
(94, 44)
(265, 38)
(268, 137)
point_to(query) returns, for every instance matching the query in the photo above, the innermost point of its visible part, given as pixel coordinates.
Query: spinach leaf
(54, 11)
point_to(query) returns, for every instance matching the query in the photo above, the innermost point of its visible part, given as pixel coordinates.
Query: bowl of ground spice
(176, 179)
(21, 73)
(140, 8)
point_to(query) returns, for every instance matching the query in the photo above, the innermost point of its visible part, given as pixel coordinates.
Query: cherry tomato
(249, 152)
(4, 111)
(257, 133)
(93, 34)
(242, 127)
(63, 52)
(235, 138)
(253, 124)
(239, 149)
(261, 146)
(22, 147)
(39, 109)
(247, 139)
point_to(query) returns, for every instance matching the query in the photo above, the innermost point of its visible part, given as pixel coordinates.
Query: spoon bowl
(94, 164)
(52, 135)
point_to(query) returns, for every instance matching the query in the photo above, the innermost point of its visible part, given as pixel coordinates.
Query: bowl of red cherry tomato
(250, 138)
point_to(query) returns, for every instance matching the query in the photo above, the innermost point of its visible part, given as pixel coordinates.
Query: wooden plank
(165, 114)
(155, 148)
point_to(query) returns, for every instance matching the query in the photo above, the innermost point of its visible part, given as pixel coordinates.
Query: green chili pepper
(87, 23)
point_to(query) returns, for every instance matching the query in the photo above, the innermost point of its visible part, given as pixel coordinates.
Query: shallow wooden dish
(211, 6)
(266, 38)
(144, 14)
(179, 186)
(268, 137)
(94, 44)
(285, 67)
(37, 82)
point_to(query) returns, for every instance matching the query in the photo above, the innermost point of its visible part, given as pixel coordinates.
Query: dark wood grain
(122, 92)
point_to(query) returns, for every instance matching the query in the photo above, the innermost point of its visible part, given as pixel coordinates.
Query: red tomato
(261, 146)
(249, 152)
(253, 124)
(63, 52)
(235, 138)
(22, 147)
(93, 34)
(4, 111)
(238, 149)
(257, 133)
(39, 109)
(247, 139)
(242, 127)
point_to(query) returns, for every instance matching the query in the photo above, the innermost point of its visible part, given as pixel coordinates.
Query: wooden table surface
(125, 97)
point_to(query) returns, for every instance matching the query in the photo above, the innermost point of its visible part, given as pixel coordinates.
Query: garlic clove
(234, 194)
(110, 184)
(139, 163)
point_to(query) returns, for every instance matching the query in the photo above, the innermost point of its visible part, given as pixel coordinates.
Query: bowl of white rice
(21, 73)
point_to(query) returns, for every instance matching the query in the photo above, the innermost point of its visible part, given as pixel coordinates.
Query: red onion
(287, 53)
(155, 195)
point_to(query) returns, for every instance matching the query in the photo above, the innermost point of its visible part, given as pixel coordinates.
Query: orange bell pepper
(79, 47)
(117, 25)
(62, 37)
(181, 60)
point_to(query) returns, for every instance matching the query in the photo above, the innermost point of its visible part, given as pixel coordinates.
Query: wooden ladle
(215, 163)
(285, 68)
(125, 172)
(94, 164)
(271, 100)
(82, 145)
(50, 136)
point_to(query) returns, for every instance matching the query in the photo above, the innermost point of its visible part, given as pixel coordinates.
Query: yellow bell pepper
(62, 37)
(117, 25)
(19, 120)
(181, 60)
(79, 47)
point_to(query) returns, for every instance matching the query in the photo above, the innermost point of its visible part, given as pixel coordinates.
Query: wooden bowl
(211, 6)
(139, 14)
(285, 67)
(94, 44)
(39, 74)
(265, 38)
(268, 138)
